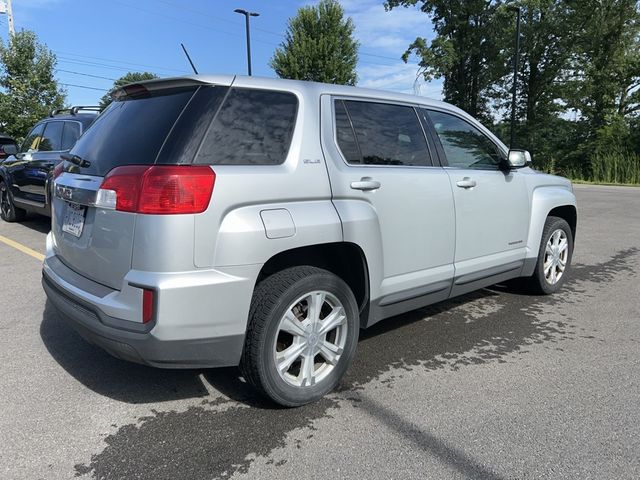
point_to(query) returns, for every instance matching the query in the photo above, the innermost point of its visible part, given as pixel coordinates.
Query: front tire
(8, 211)
(554, 257)
(301, 336)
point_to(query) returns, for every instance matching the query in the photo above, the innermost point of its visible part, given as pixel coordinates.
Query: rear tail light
(147, 305)
(157, 189)
(57, 171)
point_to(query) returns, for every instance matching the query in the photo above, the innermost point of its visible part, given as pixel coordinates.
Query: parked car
(8, 146)
(212, 221)
(25, 176)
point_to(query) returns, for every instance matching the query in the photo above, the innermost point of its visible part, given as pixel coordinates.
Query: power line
(85, 74)
(226, 20)
(84, 86)
(74, 61)
(121, 62)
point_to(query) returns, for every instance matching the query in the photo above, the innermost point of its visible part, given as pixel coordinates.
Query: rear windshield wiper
(75, 159)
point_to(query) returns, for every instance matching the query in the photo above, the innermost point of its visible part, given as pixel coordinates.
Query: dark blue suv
(25, 177)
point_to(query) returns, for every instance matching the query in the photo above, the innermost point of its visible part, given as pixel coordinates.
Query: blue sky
(97, 41)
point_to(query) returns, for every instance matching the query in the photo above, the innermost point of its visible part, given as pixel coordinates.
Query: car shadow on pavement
(39, 223)
(112, 377)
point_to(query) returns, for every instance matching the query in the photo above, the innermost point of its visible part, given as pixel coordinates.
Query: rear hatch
(152, 125)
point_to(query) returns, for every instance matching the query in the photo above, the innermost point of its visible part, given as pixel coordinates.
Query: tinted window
(131, 131)
(253, 127)
(464, 145)
(345, 136)
(388, 134)
(32, 140)
(187, 134)
(70, 135)
(52, 137)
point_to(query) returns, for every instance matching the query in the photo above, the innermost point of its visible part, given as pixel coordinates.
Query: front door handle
(466, 182)
(365, 184)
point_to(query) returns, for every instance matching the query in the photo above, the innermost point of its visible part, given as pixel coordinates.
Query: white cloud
(399, 77)
(390, 31)
(384, 37)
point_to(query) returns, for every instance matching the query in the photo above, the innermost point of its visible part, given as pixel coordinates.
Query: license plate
(73, 219)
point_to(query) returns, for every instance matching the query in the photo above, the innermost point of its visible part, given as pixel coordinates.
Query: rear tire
(554, 257)
(301, 336)
(8, 211)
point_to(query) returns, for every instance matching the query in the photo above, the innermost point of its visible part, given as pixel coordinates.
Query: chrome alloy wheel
(310, 339)
(555, 256)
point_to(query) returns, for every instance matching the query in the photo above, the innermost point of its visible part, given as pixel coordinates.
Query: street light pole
(247, 14)
(516, 61)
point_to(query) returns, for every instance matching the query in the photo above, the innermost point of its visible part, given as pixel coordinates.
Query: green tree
(130, 77)
(548, 34)
(28, 89)
(318, 46)
(603, 83)
(606, 74)
(466, 51)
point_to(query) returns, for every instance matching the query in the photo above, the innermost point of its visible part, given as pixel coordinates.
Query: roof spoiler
(137, 88)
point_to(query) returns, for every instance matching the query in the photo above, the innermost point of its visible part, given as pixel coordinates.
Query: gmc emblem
(64, 193)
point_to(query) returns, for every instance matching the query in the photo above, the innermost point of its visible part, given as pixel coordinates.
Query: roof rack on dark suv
(76, 109)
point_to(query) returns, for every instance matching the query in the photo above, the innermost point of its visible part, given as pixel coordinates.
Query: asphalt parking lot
(496, 384)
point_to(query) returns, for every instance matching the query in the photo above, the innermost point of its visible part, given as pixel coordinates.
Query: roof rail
(76, 109)
(90, 108)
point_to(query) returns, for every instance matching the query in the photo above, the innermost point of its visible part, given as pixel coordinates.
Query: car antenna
(189, 58)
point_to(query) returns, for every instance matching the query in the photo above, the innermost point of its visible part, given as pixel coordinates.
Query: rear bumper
(140, 347)
(200, 317)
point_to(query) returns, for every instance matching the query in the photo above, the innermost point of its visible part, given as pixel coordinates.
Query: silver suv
(215, 220)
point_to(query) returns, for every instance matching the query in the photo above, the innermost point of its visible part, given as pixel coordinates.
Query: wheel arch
(569, 213)
(344, 259)
(548, 200)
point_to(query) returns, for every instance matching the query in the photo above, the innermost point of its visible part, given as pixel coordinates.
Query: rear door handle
(466, 182)
(365, 184)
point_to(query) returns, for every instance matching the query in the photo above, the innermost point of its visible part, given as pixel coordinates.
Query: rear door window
(253, 127)
(70, 135)
(387, 134)
(31, 141)
(132, 131)
(52, 137)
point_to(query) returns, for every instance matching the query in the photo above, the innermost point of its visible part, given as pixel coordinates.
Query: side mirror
(9, 149)
(519, 158)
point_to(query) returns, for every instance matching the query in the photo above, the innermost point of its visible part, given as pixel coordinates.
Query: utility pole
(516, 61)
(247, 14)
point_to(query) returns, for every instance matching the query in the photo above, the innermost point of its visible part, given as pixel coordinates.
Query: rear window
(131, 131)
(253, 127)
